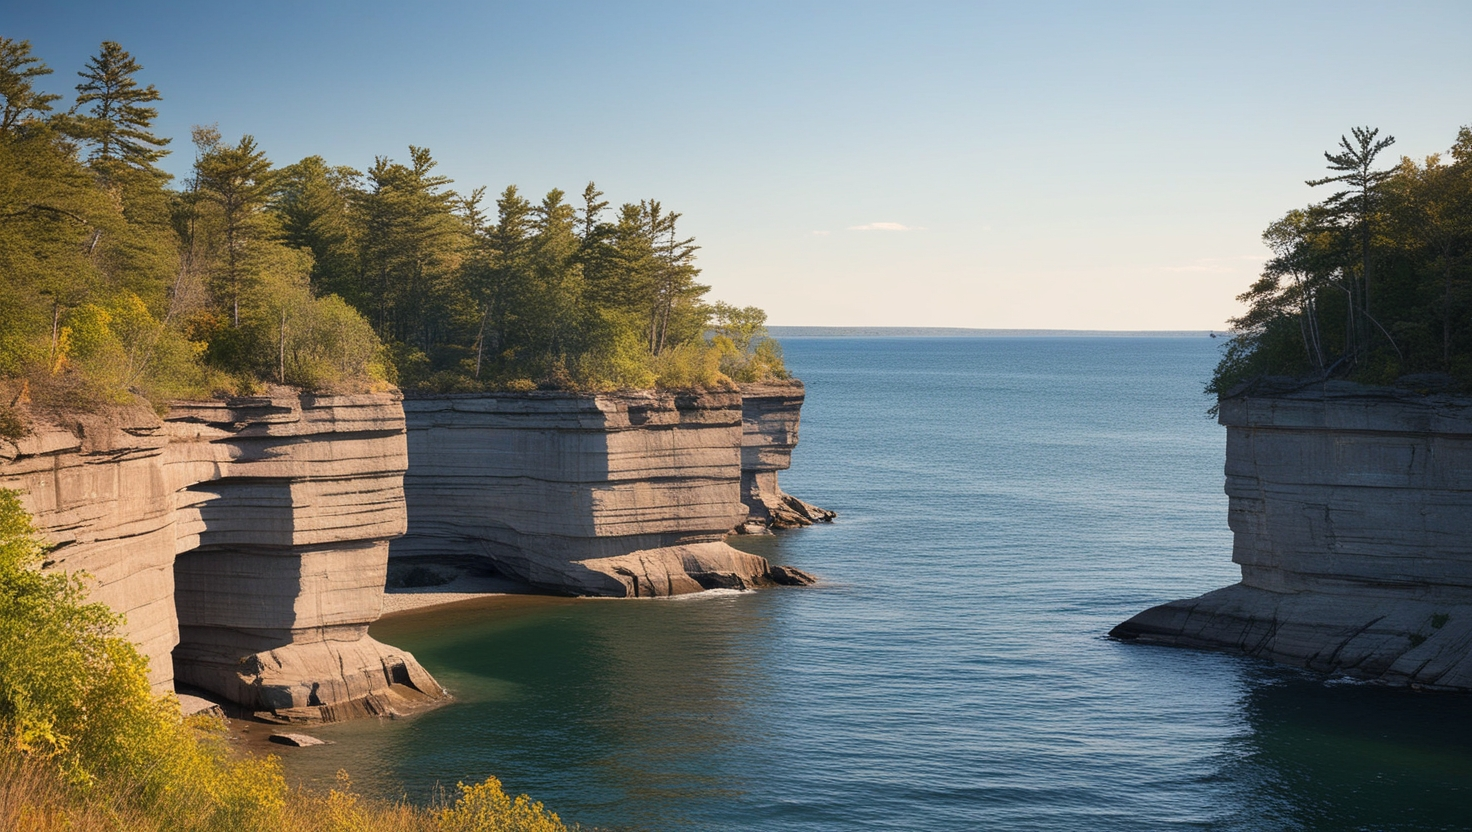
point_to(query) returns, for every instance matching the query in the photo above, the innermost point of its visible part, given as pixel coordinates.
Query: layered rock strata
(1351, 513)
(769, 417)
(617, 494)
(244, 541)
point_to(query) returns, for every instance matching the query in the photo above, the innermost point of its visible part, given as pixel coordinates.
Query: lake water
(1002, 503)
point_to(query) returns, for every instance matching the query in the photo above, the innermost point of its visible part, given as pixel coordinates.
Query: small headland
(1350, 507)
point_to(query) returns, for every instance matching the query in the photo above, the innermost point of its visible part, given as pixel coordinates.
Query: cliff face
(1351, 510)
(769, 419)
(626, 494)
(244, 541)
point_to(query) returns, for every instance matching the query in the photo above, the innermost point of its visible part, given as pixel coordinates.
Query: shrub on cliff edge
(85, 745)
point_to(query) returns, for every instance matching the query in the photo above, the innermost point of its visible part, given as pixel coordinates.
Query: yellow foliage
(694, 364)
(485, 807)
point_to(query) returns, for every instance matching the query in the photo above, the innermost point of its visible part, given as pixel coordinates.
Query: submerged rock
(791, 576)
(296, 740)
(1351, 513)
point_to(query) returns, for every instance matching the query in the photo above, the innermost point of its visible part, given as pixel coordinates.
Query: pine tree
(314, 203)
(413, 245)
(676, 313)
(593, 207)
(1355, 207)
(239, 181)
(556, 279)
(18, 69)
(117, 125)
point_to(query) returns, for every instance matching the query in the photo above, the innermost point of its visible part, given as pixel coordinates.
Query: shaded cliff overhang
(770, 414)
(625, 493)
(244, 540)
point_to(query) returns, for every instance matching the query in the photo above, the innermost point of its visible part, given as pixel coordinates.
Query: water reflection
(1352, 756)
(592, 706)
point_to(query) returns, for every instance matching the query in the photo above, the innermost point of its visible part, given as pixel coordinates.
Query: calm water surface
(1003, 503)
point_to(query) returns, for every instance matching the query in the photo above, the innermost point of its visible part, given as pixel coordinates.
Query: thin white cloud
(820, 233)
(882, 226)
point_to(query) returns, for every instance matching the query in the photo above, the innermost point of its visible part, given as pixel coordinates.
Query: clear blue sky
(1072, 165)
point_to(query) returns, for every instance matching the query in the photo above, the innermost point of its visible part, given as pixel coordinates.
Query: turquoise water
(1002, 503)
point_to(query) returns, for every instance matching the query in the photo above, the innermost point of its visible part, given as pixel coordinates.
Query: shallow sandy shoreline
(466, 586)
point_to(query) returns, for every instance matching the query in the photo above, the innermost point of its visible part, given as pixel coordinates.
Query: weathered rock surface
(618, 494)
(1351, 510)
(296, 740)
(245, 541)
(769, 419)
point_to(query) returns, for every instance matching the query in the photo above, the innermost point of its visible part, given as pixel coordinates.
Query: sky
(1006, 165)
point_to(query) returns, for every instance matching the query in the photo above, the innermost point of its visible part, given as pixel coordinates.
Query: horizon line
(957, 331)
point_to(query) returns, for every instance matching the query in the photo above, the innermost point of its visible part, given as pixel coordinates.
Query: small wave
(1347, 680)
(706, 593)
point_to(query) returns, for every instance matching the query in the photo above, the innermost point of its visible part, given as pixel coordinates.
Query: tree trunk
(281, 358)
(55, 335)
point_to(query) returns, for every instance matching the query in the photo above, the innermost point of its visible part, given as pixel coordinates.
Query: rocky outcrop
(769, 418)
(616, 494)
(245, 541)
(1351, 511)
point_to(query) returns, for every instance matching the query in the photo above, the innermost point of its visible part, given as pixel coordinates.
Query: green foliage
(117, 121)
(114, 285)
(18, 71)
(693, 365)
(315, 203)
(290, 336)
(12, 424)
(1373, 283)
(77, 696)
(237, 182)
(752, 355)
(411, 250)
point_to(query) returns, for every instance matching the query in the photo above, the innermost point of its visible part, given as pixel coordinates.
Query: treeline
(1372, 284)
(115, 279)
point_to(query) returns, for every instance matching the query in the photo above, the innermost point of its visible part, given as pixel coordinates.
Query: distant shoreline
(962, 332)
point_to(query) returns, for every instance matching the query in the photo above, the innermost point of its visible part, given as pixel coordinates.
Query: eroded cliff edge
(616, 494)
(245, 541)
(770, 413)
(1351, 513)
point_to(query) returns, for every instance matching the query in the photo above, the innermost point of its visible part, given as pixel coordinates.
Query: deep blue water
(1002, 503)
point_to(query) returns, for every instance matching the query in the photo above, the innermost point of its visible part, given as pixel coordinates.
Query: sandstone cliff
(245, 541)
(1351, 510)
(622, 494)
(769, 418)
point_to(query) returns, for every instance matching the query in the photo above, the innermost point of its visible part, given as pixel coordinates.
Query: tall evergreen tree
(315, 204)
(18, 71)
(498, 274)
(590, 216)
(555, 302)
(413, 244)
(1354, 208)
(238, 180)
(117, 125)
(675, 314)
